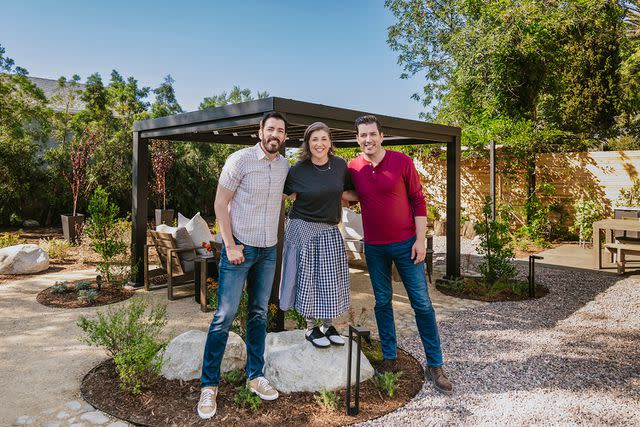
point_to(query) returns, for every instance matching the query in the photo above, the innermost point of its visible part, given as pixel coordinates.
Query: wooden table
(609, 226)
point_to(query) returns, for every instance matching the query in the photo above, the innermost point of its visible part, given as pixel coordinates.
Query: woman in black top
(315, 272)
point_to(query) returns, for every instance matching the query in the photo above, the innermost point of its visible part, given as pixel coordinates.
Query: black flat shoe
(334, 336)
(317, 338)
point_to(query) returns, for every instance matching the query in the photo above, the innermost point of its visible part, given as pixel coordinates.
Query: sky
(331, 52)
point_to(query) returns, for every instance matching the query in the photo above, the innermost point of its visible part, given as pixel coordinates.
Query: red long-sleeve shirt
(390, 197)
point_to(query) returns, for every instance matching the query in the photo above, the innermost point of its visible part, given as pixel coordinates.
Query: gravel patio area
(570, 358)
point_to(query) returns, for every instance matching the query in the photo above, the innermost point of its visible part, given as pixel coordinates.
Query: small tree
(82, 149)
(495, 248)
(161, 162)
(102, 230)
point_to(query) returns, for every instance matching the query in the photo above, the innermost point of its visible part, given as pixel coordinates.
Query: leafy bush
(11, 239)
(588, 211)
(235, 376)
(57, 248)
(131, 338)
(59, 288)
(630, 196)
(495, 248)
(372, 350)
(245, 398)
(103, 231)
(328, 400)
(80, 286)
(89, 295)
(292, 314)
(387, 382)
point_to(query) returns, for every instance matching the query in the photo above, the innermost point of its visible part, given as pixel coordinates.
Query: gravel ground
(570, 358)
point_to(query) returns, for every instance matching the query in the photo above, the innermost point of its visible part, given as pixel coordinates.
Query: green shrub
(11, 239)
(245, 398)
(102, 229)
(588, 211)
(292, 314)
(235, 376)
(328, 400)
(497, 263)
(82, 285)
(132, 337)
(630, 196)
(387, 382)
(89, 295)
(372, 350)
(57, 248)
(59, 288)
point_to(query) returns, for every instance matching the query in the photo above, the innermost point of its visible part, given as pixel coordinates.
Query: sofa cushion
(199, 231)
(183, 241)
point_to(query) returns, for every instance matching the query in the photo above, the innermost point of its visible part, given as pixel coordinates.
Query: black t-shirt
(318, 190)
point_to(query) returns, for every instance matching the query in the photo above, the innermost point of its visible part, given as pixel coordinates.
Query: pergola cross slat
(239, 124)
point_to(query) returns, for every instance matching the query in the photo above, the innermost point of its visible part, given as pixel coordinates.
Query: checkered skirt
(315, 271)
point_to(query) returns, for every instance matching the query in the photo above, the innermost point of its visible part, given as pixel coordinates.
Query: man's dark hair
(368, 119)
(274, 115)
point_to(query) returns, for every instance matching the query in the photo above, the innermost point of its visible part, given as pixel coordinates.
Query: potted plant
(82, 149)
(161, 162)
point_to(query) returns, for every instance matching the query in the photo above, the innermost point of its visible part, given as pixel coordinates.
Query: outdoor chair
(173, 263)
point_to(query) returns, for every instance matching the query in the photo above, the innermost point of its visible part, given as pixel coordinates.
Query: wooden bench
(621, 250)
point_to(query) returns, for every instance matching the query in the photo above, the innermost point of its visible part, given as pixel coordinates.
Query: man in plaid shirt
(247, 206)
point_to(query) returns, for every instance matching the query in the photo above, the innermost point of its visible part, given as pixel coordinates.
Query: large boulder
(23, 259)
(182, 360)
(293, 364)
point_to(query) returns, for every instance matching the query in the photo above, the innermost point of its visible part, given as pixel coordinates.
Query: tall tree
(24, 121)
(165, 103)
(235, 96)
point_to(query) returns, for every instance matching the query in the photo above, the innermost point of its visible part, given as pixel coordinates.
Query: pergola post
(140, 178)
(453, 208)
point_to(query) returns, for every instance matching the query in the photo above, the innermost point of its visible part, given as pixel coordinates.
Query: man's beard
(271, 149)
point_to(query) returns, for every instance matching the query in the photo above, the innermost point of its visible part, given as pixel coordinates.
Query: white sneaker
(263, 389)
(317, 338)
(333, 335)
(207, 405)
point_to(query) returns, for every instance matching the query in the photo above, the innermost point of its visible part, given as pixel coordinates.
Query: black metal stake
(359, 333)
(532, 274)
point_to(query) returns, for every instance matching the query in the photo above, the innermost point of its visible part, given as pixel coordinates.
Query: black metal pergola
(239, 124)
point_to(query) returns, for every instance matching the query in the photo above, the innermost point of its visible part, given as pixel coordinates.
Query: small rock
(23, 259)
(95, 417)
(23, 420)
(62, 415)
(30, 223)
(118, 424)
(53, 424)
(74, 405)
(183, 357)
(77, 425)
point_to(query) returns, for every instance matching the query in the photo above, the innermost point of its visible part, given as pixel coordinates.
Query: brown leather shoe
(389, 365)
(440, 380)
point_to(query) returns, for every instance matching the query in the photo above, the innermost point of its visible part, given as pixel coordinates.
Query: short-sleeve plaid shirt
(258, 183)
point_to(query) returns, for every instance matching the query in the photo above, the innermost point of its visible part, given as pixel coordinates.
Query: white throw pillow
(199, 231)
(183, 241)
(351, 226)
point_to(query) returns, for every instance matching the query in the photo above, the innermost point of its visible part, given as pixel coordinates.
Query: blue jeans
(257, 270)
(379, 258)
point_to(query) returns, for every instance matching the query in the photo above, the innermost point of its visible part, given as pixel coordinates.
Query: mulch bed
(173, 403)
(69, 299)
(540, 291)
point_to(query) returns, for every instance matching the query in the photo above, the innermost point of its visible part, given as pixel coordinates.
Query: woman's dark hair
(305, 149)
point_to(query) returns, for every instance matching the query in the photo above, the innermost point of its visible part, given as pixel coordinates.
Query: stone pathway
(40, 345)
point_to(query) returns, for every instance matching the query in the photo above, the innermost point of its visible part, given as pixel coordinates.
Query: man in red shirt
(393, 213)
